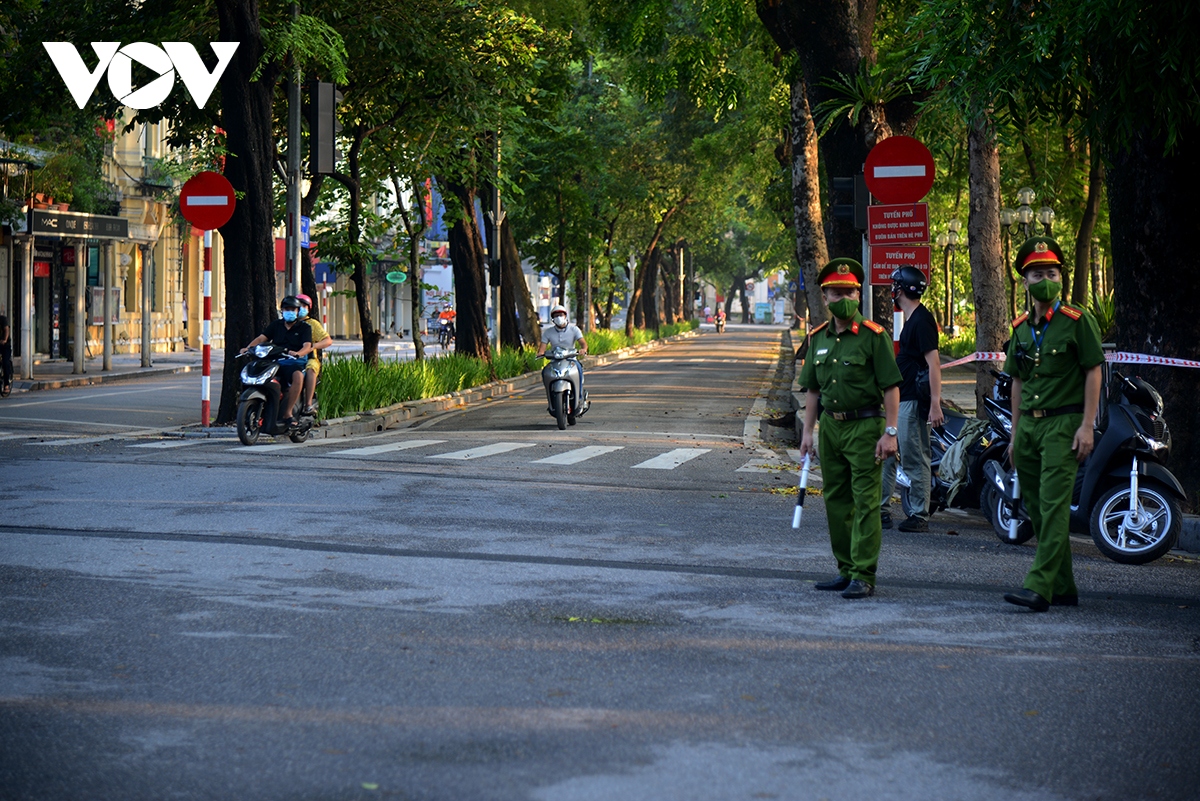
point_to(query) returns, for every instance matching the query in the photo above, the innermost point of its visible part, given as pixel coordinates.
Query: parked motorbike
(989, 446)
(262, 392)
(562, 377)
(1124, 496)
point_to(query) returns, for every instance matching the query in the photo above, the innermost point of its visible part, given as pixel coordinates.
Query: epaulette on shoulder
(1071, 311)
(1020, 319)
(818, 328)
(874, 326)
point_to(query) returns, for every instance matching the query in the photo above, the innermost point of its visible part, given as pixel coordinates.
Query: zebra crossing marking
(72, 441)
(372, 450)
(484, 450)
(285, 446)
(579, 454)
(671, 459)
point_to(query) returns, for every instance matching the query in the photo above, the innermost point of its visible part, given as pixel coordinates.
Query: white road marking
(286, 446)
(15, 436)
(579, 454)
(394, 446)
(73, 441)
(85, 397)
(672, 459)
(170, 443)
(484, 450)
(664, 361)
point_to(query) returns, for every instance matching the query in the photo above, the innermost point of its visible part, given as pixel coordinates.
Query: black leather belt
(857, 414)
(1073, 409)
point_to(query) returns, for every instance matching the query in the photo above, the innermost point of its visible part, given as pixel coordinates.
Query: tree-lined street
(421, 614)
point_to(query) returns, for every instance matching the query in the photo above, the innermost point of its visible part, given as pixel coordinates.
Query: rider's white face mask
(560, 320)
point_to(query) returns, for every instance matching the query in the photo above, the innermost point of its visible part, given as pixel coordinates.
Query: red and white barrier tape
(1119, 358)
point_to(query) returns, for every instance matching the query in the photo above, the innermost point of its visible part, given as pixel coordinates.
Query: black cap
(289, 302)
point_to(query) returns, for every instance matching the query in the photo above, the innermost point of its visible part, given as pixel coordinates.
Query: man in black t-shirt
(918, 351)
(296, 337)
(6, 376)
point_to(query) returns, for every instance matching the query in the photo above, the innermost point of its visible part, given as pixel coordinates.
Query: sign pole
(206, 332)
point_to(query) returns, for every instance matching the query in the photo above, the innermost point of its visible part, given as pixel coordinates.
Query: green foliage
(958, 346)
(1104, 309)
(852, 95)
(309, 42)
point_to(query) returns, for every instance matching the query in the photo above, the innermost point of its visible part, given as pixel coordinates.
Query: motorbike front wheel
(558, 405)
(249, 420)
(1138, 537)
(1000, 515)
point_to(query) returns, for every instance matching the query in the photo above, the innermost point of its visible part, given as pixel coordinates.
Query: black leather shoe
(1065, 600)
(886, 519)
(1027, 598)
(858, 589)
(837, 583)
(914, 523)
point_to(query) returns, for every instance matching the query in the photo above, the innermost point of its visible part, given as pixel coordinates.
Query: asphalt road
(483, 607)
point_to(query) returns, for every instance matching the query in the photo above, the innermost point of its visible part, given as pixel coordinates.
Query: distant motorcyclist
(296, 338)
(563, 334)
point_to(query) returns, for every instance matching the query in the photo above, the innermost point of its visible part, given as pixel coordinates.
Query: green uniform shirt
(852, 369)
(1052, 357)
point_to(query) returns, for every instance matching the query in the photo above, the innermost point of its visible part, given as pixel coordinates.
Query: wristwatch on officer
(891, 431)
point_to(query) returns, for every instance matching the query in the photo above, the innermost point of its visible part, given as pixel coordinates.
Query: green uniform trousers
(853, 481)
(1046, 467)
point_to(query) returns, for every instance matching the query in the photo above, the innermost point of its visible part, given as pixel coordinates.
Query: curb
(101, 378)
(1189, 534)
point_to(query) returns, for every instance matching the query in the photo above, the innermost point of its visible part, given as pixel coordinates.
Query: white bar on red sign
(207, 200)
(900, 171)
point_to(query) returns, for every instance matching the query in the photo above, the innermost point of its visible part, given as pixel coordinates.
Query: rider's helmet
(289, 302)
(304, 301)
(558, 315)
(908, 280)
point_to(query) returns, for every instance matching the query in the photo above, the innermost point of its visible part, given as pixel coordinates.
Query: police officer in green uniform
(1055, 360)
(850, 371)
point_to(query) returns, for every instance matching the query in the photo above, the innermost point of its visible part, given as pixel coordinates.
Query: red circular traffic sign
(206, 200)
(899, 170)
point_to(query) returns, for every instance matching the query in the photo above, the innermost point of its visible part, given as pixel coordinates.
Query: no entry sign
(899, 170)
(885, 260)
(207, 200)
(898, 224)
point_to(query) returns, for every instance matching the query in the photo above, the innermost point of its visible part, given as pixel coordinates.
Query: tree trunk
(670, 271)
(650, 289)
(360, 277)
(987, 265)
(246, 115)
(811, 252)
(415, 224)
(528, 325)
(1087, 227)
(470, 288)
(1152, 211)
(635, 313)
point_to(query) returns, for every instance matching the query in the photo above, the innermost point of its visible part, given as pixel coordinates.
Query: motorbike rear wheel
(558, 405)
(1140, 538)
(1000, 514)
(249, 420)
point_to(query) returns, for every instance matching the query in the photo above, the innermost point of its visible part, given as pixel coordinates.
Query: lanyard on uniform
(1037, 340)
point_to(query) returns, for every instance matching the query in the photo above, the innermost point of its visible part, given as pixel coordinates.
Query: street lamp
(1007, 218)
(1025, 196)
(1045, 216)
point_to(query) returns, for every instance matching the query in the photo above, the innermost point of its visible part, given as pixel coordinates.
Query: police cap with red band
(1038, 251)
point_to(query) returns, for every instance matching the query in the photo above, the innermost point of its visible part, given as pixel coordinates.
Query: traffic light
(323, 127)
(856, 210)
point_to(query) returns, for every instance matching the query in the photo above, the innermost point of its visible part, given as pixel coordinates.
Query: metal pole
(293, 179)
(497, 221)
(147, 267)
(107, 273)
(206, 332)
(27, 311)
(868, 302)
(587, 296)
(80, 308)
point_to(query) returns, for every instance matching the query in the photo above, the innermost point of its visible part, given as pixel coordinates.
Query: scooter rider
(296, 338)
(564, 335)
(321, 340)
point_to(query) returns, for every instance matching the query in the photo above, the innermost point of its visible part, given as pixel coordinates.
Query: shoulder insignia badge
(818, 328)
(1070, 311)
(1020, 319)
(874, 326)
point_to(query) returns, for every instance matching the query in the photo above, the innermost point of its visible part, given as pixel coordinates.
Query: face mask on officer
(1045, 290)
(289, 315)
(843, 309)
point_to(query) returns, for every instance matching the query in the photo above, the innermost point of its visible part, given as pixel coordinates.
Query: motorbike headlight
(1154, 446)
(262, 378)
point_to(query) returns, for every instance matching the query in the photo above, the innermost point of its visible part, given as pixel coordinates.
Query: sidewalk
(59, 373)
